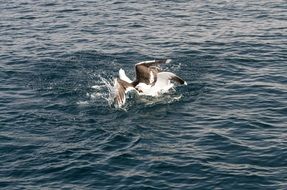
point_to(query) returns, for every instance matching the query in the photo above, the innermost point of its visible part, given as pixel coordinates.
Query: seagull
(149, 81)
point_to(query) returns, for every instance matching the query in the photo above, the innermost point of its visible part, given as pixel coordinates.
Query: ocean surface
(227, 129)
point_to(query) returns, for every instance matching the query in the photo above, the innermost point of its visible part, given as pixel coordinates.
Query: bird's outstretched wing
(121, 87)
(146, 71)
(164, 78)
(123, 76)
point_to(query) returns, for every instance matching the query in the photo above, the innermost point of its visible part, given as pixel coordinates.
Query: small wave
(81, 103)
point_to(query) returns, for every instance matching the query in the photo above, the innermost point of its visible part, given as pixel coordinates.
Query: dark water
(227, 129)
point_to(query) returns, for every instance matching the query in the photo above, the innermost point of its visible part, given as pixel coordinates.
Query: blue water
(227, 129)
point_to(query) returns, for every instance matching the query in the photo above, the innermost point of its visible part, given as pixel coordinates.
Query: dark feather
(143, 70)
(121, 87)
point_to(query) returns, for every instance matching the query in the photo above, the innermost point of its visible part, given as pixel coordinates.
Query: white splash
(107, 85)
